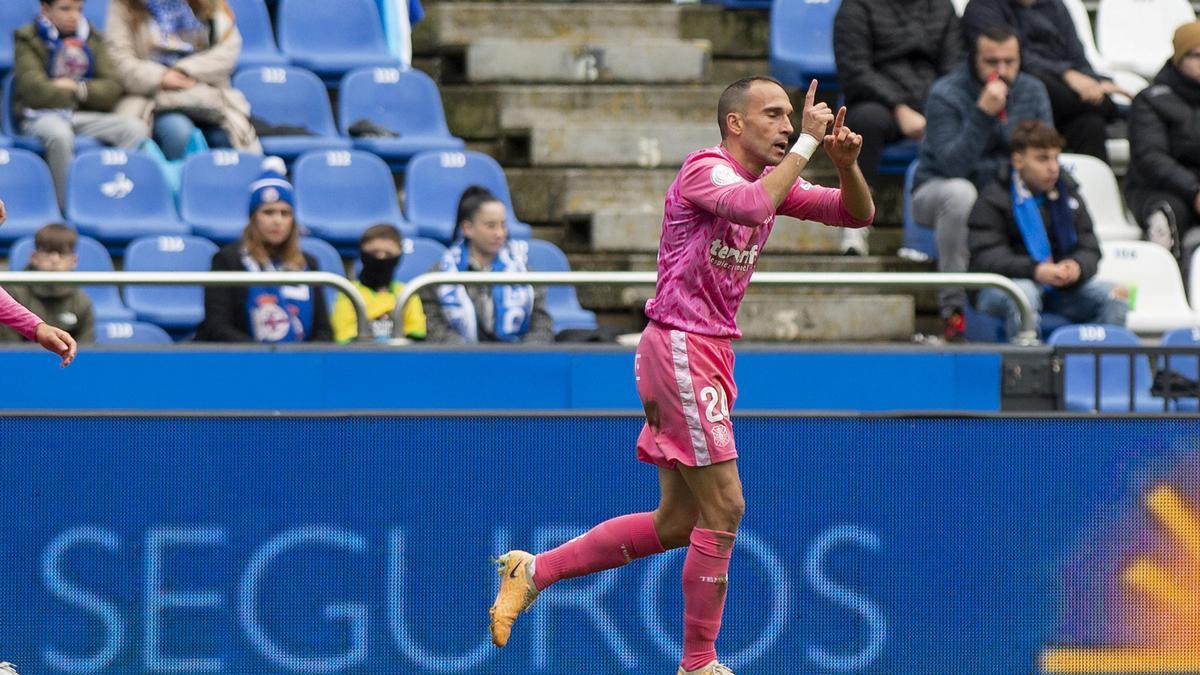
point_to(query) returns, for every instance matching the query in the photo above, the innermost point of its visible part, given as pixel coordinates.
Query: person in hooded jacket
(380, 250)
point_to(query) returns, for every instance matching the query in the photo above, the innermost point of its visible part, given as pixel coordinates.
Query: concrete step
(804, 317)
(461, 23)
(555, 195)
(742, 34)
(529, 60)
(632, 143)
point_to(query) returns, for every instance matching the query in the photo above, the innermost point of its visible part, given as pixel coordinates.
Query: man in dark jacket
(64, 84)
(1031, 226)
(65, 305)
(1163, 183)
(1051, 51)
(889, 52)
(970, 114)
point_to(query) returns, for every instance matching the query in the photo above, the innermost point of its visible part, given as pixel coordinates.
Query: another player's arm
(814, 120)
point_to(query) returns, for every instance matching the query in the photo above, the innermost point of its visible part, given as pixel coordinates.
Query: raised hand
(841, 144)
(3, 213)
(815, 118)
(993, 96)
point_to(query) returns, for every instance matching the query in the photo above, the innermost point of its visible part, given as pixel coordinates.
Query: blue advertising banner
(361, 544)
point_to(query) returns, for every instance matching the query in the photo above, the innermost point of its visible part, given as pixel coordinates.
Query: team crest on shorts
(720, 435)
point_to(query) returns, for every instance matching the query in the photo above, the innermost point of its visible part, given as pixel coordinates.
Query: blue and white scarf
(69, 56)
(1028, 214)
(513, 304)
(277, 313)
(176, 30)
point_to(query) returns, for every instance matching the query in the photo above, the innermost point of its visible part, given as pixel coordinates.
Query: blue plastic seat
(328, 260)
(130, 333)
(897, 157)
(117, 196)
(28, 193)
(741, 4)
(1186, 365)
(10, 128)
(434, 183)
(561, 302)
(214, 193)
(96, 12)
(93, 257)
(404, 101)
(293, 97)
(258, 41)
(1080, 371)
(341, 193)
(333, 38)
(5, 142)
(916, 237)
(13, 15)
(174, 308)
(802, 42)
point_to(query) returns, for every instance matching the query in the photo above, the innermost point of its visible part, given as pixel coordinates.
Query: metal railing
(1147, 373)
(339, 282)
(886, 280)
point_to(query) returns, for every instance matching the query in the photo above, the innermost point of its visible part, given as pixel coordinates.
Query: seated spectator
(270, 243)
(1031, 226)
(475, 313)
(65, 84)
(66, 305)
(888, 56)
(1051, 51)
(971, 113)
(175, 58)
(380, 249)
(1163, 183)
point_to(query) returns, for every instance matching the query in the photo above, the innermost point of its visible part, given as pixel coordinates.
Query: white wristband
(805, 146)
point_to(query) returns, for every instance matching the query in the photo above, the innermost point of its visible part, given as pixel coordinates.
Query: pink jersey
(717, 220)
(13, 313)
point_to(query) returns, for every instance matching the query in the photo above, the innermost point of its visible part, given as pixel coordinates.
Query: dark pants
(1082, 124)
(877, 125)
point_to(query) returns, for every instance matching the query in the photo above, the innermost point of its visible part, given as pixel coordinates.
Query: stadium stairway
(591, 107)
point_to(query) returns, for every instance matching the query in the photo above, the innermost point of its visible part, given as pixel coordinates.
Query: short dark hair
(55, 238)
(733, 99)
(1035, 134)
(381, 231)
(994, 32)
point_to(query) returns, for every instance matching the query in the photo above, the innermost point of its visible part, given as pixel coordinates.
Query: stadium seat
(1098, 187)
(561, 302)
(130, 333)
(919, 243)
(802, 42)
(403, 101)
(328, 260)
(1132, 82)
(96, 12)
(340, 193)
(28, 193)
(174, 308)
(258, 41)
(93, 257)
(214, 193)
(1186, 365)
(1079, 378)
(1136, 35)
(1157, 299)
(117, 196)
(421, 255)
(897, 157)
(960, 6)
(741, 4)
(1193, 282)
(294, 97)
(5, 142)
(333, 38)
(13, 15)
(434, 184)
(8, 125)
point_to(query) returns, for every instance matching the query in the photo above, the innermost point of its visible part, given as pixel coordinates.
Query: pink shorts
(686, 385)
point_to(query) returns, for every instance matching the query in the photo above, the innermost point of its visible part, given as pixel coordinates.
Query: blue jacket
(962, 141)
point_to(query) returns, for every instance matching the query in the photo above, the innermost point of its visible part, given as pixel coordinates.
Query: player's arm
(814, 120)
(843, 147)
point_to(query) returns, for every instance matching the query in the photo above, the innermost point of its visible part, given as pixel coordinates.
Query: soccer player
(719, 213)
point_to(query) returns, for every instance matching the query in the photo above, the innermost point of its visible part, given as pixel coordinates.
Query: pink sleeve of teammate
(822, 204)
(13, 313)
(712, 185)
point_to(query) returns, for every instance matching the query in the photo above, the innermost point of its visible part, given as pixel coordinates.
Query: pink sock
(705, 580)
(607, 545)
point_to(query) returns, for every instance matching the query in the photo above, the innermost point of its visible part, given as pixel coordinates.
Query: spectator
(1051, 51)
(1031, 225)
(971, 113)
(271, 243)
(1163, 183)
(64, 83)
(889, 52)
(68, 306)
(175, 58)
(380, 249)
(473, 313)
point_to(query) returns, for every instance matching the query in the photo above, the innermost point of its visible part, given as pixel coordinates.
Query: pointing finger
(811, 96)
(840, 120)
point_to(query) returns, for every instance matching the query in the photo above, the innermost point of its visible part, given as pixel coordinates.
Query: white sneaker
(854, 241)
(710, 668)
(1160, 230)
(7, 668)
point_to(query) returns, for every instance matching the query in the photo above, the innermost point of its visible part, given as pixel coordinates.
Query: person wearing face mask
(380, 250)
(474, 313)
(270, 243)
